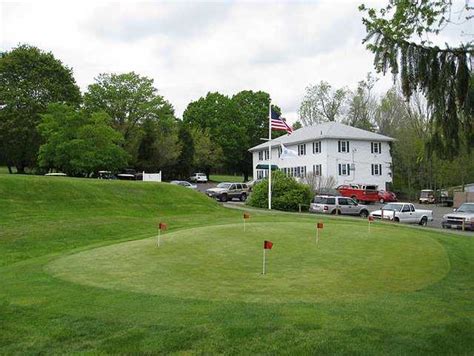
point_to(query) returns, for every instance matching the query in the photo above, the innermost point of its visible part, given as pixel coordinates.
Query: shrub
(287, 193)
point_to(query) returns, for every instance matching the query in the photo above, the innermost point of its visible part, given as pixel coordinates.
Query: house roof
(326, 130)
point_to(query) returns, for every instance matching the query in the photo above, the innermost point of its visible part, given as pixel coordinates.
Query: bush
(287, 193)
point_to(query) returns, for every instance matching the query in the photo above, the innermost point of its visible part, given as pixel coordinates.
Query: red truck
(366, 193)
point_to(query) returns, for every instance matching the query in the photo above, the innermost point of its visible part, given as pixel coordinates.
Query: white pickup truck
(404, 213)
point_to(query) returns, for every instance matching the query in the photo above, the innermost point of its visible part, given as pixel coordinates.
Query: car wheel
(223, 198)
(396, 220)
(424, 221)
(243, 196)
(364, 214)
(381, 201)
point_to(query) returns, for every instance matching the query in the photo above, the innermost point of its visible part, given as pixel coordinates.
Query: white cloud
(191, 48)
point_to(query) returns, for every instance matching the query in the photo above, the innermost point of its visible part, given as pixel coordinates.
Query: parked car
(184, 183)
(105, 175)
(252, 183)
(327, 204)
(454, 220)
(404, 213)
(359, 192)
(198, 178)
(386, 196)
(427, 196)
(228, 191)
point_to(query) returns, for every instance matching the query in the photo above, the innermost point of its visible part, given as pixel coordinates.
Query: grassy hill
(80, 273)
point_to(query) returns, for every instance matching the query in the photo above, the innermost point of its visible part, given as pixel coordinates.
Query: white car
(183, 183)
(198, 177)
(404, 213)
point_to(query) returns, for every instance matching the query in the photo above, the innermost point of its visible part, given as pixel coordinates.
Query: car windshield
(396, 207)
(425, 194)
(224, 185)
(466, 208)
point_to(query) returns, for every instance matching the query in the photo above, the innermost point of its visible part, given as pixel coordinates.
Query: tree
(79, 143)
(322, 103)
(184, 162)
(287, 193)
(297, 125)
(207, 153)
(363, 105)
(159, 145)
(442, 74)
(30, 79)
(130, 100)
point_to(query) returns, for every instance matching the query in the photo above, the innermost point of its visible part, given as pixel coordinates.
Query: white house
(350, 155)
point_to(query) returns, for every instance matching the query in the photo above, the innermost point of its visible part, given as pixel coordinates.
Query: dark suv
(228, 191)
(337, 205)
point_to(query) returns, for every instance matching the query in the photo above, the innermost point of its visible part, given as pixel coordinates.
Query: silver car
(339, 205)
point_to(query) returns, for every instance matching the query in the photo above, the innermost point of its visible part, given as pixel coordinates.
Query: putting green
(224, 263)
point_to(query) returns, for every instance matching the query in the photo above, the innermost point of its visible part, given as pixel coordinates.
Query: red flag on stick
(162, 226)
(267, 245)
(319, 225)
(371, 218)
(246, 216)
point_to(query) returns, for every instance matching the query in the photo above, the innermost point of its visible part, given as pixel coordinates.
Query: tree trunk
(20, 169)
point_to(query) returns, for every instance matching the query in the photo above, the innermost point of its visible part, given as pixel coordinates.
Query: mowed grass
(218, 178)
(80, 272)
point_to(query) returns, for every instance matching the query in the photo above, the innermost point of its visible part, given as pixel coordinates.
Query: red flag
(267, 245)
(371, 218)
(162, 226)
(246, 216)
(320, 225)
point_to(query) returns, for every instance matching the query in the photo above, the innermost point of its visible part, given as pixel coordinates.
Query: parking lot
(438, 211)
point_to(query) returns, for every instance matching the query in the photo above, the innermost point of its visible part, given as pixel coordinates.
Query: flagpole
(270, 160)
(264, 255)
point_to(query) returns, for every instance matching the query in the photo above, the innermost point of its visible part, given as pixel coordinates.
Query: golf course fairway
(223, 262)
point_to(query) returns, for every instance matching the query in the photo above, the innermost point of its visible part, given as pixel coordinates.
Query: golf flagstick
(161, 226)
(267, 245)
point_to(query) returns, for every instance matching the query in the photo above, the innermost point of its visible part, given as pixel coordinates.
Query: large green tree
(235, 124)
(396, 35)
(362, 105)
(130, 100)
(30, 79)
(79, 143)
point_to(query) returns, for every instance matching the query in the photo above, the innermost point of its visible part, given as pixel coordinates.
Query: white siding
(359, 156)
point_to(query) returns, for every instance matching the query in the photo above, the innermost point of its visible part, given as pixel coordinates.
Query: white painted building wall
(359, 157)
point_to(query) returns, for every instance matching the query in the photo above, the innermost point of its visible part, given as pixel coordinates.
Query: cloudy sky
(190, 48)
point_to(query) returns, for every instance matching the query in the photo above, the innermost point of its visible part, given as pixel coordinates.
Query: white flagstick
(264, 255)
(317, 237)
(270, 158)
(244, 224)
(159, 236)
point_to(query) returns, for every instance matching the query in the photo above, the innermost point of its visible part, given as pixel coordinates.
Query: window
(344, 169)
(260, 155)
(343, 201)
(317, 147)
(376, 169)
(343, 146)
(376, 147)
(302, 149)
(295, 171)
(267, 156)
(279, 151)
(317, 169)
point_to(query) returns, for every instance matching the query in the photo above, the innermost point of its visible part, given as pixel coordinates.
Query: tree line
(120, 121)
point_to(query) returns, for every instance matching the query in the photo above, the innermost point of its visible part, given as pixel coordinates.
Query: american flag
(279, 123)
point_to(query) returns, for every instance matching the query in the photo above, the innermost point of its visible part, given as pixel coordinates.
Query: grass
(80, 273)
(218, 178)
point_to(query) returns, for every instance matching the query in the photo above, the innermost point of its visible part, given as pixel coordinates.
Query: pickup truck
(404, 213)
(462, 218)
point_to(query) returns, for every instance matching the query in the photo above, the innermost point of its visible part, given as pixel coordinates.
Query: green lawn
(218, 178)
(80, 272)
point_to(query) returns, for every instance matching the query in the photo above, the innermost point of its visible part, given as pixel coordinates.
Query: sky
(191, 48)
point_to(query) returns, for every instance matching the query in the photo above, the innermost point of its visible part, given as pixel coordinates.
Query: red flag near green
(267, 245)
